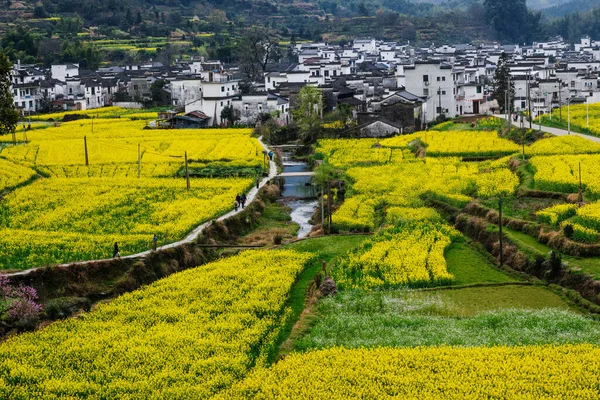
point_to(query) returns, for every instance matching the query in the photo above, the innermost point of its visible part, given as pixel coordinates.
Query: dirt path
(192, 235)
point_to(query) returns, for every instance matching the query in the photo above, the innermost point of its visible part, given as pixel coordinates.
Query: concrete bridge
(296, 174)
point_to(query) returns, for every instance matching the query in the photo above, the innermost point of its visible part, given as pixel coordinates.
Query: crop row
(407, 255)
(531, 372)
(188, 336)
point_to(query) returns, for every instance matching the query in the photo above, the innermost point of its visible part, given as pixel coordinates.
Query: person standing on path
(257, 182)
(271, 154)
(116, 252)
(236, 205)
(154, 242)
(244, 198)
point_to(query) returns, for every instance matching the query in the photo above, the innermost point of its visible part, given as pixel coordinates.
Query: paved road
(554, 131)
(194, 234)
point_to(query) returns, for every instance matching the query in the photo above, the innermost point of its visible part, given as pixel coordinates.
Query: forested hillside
(93, 31)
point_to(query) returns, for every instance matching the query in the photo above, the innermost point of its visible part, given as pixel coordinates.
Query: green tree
(308, 111)
(502, 83)
(158, 94)
(229, 114)
(511, 20)
(9, 116)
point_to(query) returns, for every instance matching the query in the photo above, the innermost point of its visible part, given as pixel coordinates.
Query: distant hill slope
(571, 7)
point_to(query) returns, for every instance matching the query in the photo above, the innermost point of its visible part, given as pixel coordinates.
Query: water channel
(299, 194)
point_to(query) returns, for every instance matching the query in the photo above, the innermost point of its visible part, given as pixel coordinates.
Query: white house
(64, 71)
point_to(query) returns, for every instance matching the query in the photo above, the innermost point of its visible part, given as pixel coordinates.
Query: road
(251, 196)
(554, 131)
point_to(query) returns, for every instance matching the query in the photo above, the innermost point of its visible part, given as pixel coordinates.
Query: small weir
(298, 192)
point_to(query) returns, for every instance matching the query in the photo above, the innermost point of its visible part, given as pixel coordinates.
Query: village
(389, 87)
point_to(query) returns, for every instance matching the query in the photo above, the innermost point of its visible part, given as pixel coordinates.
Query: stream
(299, 194)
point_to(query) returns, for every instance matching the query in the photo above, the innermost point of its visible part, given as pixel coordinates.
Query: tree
(9, 116)
(229, 114)
(511, 20)
(308, 111)
(257, 49)
(502, 83)
(159, 96)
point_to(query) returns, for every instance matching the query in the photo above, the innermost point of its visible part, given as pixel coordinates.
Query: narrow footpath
(251, 196)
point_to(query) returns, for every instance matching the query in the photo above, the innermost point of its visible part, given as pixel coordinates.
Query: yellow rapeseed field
(560, 173)
(188, 336)
(530, 372)
(410, 255)
(38, 221)
(113, 149)
(12, 174)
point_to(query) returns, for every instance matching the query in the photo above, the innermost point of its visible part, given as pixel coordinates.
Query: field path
(251, 195)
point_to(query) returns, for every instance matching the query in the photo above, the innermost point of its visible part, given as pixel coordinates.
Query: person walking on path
(257, 182)
(154, 242)
(236, 205)
(116, 252)
(244, 198)
(238, 199)
(271, 154)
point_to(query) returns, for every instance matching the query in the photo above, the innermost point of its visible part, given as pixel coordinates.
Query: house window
(425, 92)
(572, 84)
(222, 89)
(522, 105)
(221, 104)
(443, 79)
(478, 89)
(438, 78)
(425, 78)
(443, 92)
(438, 110)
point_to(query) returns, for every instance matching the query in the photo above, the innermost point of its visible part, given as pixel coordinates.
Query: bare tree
(257, 49)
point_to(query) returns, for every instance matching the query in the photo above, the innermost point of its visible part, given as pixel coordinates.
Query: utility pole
(187, 172)
(560, 99)
(569, 115)
(329, 204)
(529, 97)
(580, 194)
(87, 161)
(587, 115)
(323, 208)
(440, 100)
(509, 105)
(139, 160)
(506, 109)
(501, 240)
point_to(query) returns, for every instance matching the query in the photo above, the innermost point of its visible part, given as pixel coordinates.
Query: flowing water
(299, 194)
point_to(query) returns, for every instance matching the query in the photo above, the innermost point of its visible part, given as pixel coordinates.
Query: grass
(469, 266)
(329, 247)
(532, 247)
(406, 318)
(302, 318)
(477, 300)
(275, 221)
(524, 208)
